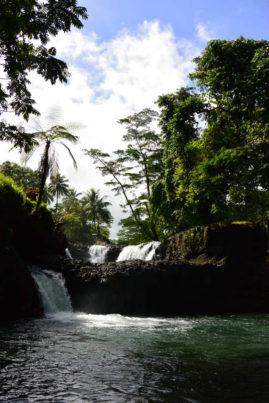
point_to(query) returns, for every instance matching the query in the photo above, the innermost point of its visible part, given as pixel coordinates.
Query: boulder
(113, 252)
(79, 251)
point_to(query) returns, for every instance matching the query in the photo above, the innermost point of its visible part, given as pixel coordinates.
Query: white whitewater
(144, 251)
(68, 254)
(53, 293)
(97, 253)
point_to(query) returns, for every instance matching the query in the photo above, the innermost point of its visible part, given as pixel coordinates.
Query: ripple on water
(73, 357)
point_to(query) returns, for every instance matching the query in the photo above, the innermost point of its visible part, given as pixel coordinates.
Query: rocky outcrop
(18, 294)
(164, 287)
(236, 244)
(113, 252)
(79, 251)
(205, 270)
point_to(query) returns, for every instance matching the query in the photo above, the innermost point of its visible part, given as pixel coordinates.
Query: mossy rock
(231, 242)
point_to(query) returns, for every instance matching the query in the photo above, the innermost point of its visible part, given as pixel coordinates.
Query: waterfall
(68, 254)
(97, 253)
(53, 293)
(144, 251)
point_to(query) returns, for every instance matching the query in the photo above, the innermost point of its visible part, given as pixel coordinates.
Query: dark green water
(72, 357)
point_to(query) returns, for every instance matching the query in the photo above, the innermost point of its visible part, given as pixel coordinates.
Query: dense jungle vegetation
(207, 162)
(210, 162)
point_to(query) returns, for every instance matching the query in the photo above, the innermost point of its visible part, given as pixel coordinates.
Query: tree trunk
(44, 171)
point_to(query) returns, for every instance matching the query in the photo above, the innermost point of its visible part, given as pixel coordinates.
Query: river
(77, 357)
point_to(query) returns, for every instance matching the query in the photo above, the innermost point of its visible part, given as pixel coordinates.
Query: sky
(126, 55)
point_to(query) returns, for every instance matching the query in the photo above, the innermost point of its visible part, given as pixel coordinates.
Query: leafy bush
(29, 230)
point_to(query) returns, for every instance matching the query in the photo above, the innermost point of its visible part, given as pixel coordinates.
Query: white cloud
(204, 33)
(109, 81)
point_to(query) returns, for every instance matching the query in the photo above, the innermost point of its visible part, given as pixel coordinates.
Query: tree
(48, 164)
(96, 209)
(181, 152)
(220, 171)
(58, 187)
(84, 219)
(134, 170)
(73, 219)
(22, 176)
(26, 28)
(26, 178)
(129, 233)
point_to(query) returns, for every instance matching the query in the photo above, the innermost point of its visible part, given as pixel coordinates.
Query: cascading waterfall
(68, 254)
(97, 253)
(53, 293)
(144, 251)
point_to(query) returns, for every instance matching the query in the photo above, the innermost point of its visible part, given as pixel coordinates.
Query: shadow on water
(77, 357)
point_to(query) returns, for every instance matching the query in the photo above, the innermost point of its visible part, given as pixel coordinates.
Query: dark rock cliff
(232, 243)
(79, 251)
(113, 252)
(18, 294)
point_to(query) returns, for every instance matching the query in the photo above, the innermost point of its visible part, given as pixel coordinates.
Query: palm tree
(96, 208)
(48, 164)
(58, 187)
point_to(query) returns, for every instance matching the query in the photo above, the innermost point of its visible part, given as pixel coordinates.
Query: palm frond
(53, 115)
(25, 156)
(60, 132)
(36, 125)
(53, 162)
(74, 126)
(71, 155)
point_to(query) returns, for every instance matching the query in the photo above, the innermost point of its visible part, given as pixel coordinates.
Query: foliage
(218, 170)
(133, 170)
(58, 187)
(48, 164)
(84, 219)
(26, 27)
(30, 232)
(130, 233)
(97, 210)
(32, 193)
(26, 178)
(22, 176)
(13, 202)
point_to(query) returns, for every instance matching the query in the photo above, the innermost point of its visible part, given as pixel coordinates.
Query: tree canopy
(48, 164)
(26, 27)
(218, 170)
(133, 170)
(85, 217)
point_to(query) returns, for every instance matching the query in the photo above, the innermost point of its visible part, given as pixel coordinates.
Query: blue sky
(127, 54)
(228, 19)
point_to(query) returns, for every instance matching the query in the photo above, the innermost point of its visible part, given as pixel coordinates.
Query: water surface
(72, 357)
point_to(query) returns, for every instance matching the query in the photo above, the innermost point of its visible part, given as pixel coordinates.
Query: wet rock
(18, 293)
(206, 270)
(79, 251)
(113, 252)
(164, 287)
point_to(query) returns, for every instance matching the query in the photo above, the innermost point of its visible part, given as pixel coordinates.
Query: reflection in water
(77, 357)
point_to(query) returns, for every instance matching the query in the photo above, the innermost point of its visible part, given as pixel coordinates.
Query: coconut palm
(58, 187)
(96, 208)
(48, 164)
(72, 194)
